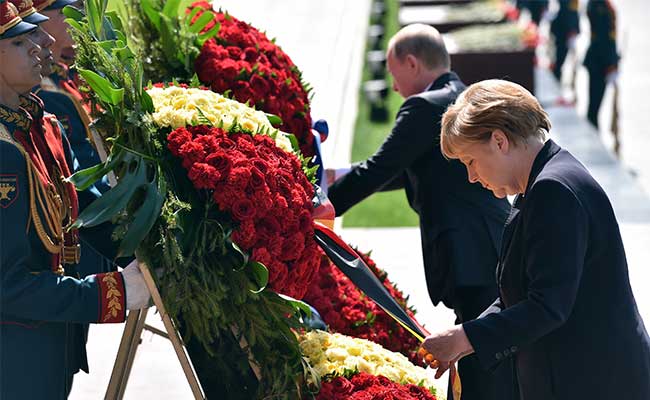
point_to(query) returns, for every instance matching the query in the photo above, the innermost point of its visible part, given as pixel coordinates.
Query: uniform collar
(15, 119)
(60, 72)
(30, 108)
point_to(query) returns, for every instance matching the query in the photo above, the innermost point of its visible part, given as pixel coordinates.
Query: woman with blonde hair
(565, 313)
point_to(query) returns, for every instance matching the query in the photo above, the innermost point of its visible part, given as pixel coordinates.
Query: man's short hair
(422, 41)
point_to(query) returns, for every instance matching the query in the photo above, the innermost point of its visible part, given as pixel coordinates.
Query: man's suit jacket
(567, 312)
(459, 221)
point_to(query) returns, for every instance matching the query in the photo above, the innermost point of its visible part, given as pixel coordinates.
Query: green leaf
(297, 305)
(168, 36)
(294, 141)
(171, 8)
(74, 24)
(204, 37)
(192, 14)
(235, 256)
(117, 24)
(145, 216)
(73, 13)
(123, 53)
(115, 200)
(195, 82)
(84, 178)
(95, 14)
(201, 22)
(261, 275)
(106, 92)
(107, 45)
(146, 102)
(274, 119)
(108, 31)
(151, 12)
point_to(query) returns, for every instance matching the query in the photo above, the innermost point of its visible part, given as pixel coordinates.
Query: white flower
(334, 353)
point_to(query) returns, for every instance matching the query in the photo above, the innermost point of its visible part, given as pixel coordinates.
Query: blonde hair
(422, 41)
(489, 105)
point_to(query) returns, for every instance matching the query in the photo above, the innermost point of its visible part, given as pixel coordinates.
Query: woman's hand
(441, 350)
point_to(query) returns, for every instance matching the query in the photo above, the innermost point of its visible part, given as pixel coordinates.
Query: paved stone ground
(325, 39)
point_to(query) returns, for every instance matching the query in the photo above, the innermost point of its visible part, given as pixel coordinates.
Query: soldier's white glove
(137, 293)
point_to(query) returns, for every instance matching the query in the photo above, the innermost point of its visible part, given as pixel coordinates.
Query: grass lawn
(380, 209)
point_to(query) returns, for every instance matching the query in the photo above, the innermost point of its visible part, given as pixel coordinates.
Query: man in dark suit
(460, 223)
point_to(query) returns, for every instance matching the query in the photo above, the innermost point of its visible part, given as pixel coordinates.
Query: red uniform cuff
(112, 299)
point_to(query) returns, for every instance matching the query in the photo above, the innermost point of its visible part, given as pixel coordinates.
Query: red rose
(342, 386)
(280, 203)
(364, 380)
(176, 139)
(268, 228)
(292, 247)
(203, 176)
(229, 69)
(277, 275)
(245, 235)
(243, 92)
(234, 52)
(263, 201)
(262, 255)
(257, 181)
(250, 54)
(243, 209)
(191, 153)
(259, 85)
(261, 165)
(208, 142)
(225, 143)
(221, 162)
(239, 177)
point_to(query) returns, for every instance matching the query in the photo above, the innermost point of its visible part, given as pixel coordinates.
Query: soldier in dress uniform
(39, 303)
(602, 57)
(564, 28)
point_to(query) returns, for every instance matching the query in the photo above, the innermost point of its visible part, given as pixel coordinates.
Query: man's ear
(412, 61)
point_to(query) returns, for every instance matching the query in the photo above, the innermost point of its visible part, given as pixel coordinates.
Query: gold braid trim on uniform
(49, 201)
(114, 304)
(14, 118)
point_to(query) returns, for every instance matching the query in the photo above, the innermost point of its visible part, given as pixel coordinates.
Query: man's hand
(137, 293)
(333, 174)
(441, 350)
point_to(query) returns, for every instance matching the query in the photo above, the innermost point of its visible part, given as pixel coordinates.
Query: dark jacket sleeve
(555, 243)
(412, 136)
(33, 292)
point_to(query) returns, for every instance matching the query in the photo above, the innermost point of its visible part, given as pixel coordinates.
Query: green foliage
(166, 37)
